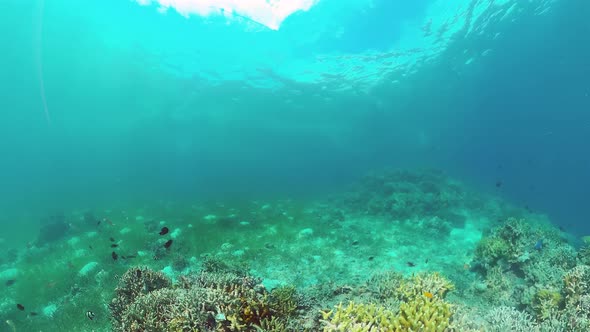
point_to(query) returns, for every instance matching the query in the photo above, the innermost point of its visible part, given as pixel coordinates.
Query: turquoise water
(306, 153)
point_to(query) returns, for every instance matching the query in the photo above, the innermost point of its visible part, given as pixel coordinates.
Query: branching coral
(284, 300)
(421, 306)
(577, 284)
(546, 302)
(213, 301)
(133, 284)
(357, 317)
(418, 285)
(424, 314)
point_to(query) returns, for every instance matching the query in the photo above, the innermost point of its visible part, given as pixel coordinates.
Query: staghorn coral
(503, 319)
(357, 317)
(424, 314)
(419, 314)
(419, 307)
(213, 301)
(284, 300)
(577, 284)
(134, 283)
(419, 284)
(165, 310)
(546, 302)
(385, 285)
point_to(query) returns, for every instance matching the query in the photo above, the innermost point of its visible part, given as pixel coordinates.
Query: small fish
(498, 184)
(371, 258)
(539, 245)
(114, 255)
(164, 231)
(138, 273)
(426, 261)
(10, 282)
(98, 223)
(90, 247)
(130, 256)
(90, 314)
(168, 244)
(32, 313)
(20, 307)
(428, 295)
(112, 239)
(114, 245)
(411, 264)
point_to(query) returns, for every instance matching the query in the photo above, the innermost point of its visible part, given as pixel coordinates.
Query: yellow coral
(432, 283)
(419, 314)
(358, 317)
(424, 314)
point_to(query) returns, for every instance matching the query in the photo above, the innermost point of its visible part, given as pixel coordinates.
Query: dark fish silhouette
(114, 255)
(164, 231)
(168, 244)
(138, 273)
(10, 282)
(114, 245)
(498, 184)
(32, 313)
(90, 314)
(112, 239)
(20, 307)
(411, 264)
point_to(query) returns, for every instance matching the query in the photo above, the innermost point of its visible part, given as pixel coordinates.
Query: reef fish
(114, 255)
(164, 231)
(168, 244)
(539, 245)
(90, 314)
(20, 307)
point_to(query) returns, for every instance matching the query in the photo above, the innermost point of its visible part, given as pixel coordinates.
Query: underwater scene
(295, 165)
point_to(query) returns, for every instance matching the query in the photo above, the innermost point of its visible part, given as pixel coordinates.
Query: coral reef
(421, 306)
(134, 284)
(403, 195)
(209, 301)
(357, 317)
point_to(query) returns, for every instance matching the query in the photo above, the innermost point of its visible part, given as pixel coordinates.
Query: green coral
(491, 249)
(546, 302)
(284, 300)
